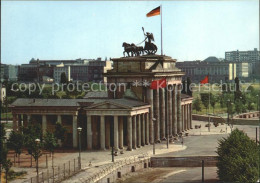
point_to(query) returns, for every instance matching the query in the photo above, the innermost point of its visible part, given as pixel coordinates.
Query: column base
(147, 144)
(139, 146)
(103, 149)
(158, 141)
(164, 139)
(129, 149)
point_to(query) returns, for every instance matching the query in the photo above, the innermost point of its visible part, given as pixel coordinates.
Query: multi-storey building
(217, 69)
(9, 72)
(84, 70)
(243, 56)
(58, 70)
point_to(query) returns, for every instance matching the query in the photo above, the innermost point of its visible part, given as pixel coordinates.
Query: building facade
(131, 115)
(58, 70)
(83, 70)
(218, 70)
(243, 56)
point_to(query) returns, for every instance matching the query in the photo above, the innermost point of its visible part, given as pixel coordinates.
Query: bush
(238, 159)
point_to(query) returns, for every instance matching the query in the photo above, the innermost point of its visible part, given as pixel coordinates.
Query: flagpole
(161, 32)
(209, 105)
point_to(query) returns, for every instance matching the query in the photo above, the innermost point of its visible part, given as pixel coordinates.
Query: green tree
(213, 101)
(237, 92)
(3, 149)
(31, 133)
(238, 159)
(189, 89)
(184, 87)
(16, 142)
(196, 104)
(238, 107)
(50, 143)
(7, 166)
(59, 132)
(205, 99)
(63, 78)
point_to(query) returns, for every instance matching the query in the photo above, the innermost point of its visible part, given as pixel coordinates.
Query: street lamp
(258, 115)
(79, 130)
(37, 141)
(153, 137)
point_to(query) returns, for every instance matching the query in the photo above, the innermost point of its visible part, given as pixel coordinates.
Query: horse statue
(138, 49)
(128, 49)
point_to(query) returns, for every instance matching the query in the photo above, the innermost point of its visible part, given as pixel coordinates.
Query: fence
(57, 174)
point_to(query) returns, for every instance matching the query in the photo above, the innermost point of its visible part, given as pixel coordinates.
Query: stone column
(129, 133)
(138, 127)
(169, 104)
(162, 113)
(59, 119)
(29, 118)
(174, 110)
(89, 133)
(188, 116)
(143, 129)
(121, 133)
(179, 120)
(116, 133)
(102, 133)
(107, 134)
(134, 131)
(75, 131)
(191, 116)
(157, 116)
(147, 128)
(44, 124)
(15, 125)
(182, 118)
(150, 122)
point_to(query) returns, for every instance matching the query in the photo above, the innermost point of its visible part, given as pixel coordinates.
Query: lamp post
(79, 131)
(153, 137)
(37, 141)
(258, 116)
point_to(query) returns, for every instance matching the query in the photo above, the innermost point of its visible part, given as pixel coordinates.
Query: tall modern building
(9, 72)
(242, 56)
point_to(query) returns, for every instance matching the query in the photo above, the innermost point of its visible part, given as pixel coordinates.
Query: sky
(192, 30)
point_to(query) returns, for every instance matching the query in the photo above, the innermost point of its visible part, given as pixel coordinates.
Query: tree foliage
(63, 78)
(205, 99)
(60, 132)
(238, 159)
(50, 141)
(31, 133)
(196, 104)
(16, 142)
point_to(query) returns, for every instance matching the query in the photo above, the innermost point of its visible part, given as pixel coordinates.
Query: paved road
(191, 175)
(198, 145)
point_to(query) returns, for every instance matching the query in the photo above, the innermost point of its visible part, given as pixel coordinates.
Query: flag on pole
(205, 80)
(154, 12)
(156, 84)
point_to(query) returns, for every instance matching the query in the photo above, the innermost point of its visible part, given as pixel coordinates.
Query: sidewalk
(105, 158)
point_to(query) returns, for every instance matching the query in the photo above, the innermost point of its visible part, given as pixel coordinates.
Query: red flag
(154, 12)
(205, 80)
(156, 84)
